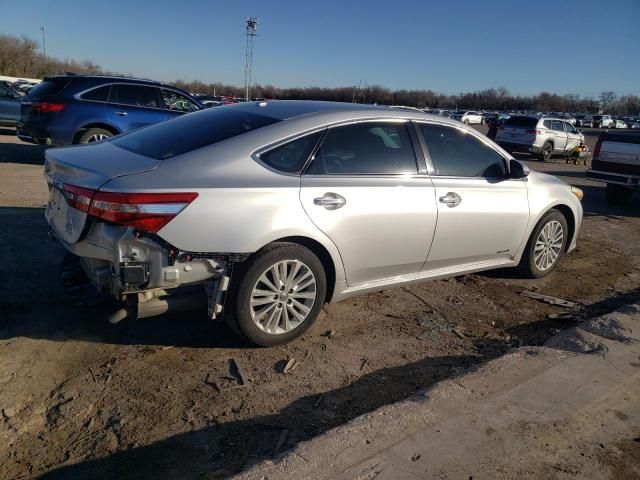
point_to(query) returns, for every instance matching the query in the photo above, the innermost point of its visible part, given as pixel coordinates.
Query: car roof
(286, 109)
(107, 78)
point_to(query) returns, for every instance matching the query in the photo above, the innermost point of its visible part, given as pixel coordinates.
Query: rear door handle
(451, 199)
(121, 113)
(330, 201)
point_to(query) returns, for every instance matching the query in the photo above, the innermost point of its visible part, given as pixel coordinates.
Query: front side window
(177, 102)
(291, 157)
(137, 95)
(457, 153)
(369, 148)
(569, 128)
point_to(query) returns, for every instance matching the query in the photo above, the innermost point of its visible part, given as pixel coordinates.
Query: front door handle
(330, 201)
(451, 199)
(121, 113)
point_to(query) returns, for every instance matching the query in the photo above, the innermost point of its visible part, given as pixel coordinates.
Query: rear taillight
(596, 150)
(79, 198)
(145, 211)
(534, 132)
(47, 107)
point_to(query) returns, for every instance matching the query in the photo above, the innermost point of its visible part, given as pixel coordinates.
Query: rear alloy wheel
(95, 135)
(466, 122)
(278, 296)
(617, 194)
(546, 152)
(546, 246)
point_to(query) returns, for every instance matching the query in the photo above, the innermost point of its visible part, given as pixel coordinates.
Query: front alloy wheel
(546, 245)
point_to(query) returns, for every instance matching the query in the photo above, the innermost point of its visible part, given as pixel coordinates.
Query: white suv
(543, 137)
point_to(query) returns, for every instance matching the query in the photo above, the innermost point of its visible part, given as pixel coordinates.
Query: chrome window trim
(78, 96)
(255, 154)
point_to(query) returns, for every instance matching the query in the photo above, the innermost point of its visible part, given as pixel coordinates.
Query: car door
(133, 106)
(176, 104)
(573, 137)
(558, 136)
(482, 213)
(9, 106)
(363, 189)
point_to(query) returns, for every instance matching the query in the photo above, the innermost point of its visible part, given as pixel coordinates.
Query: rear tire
(546, 152)
(546, 246)
(268, 312)
(617, 194)
(95, 135)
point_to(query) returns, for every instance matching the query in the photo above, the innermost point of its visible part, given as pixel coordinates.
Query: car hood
(540, 177)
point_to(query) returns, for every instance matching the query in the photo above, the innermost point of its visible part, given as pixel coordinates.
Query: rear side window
(547, 123)
(137, 95)
(291, 157)
(190, 132)
(48, 87)
(528, 122)
(370, 148)
(100, 94)
(557, 125)
(457, 153)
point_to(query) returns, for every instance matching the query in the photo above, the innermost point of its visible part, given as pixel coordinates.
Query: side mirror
(518, 170)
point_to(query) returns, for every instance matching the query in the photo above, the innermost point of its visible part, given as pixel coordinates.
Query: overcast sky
(560, 46)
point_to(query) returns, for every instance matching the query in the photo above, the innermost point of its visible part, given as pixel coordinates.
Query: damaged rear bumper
(145, 271)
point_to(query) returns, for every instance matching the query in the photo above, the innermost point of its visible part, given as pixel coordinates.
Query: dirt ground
(159, 398)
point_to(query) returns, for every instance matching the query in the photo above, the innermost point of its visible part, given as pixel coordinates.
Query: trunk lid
(88, 167)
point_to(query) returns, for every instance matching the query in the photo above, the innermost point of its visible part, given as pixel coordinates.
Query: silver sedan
(278, 207)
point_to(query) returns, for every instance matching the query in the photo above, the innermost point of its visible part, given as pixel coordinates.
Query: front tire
(277, 295)
(545, 246)
(617, 194)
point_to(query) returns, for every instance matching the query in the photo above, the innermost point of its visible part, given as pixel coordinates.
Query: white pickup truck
(616, 161)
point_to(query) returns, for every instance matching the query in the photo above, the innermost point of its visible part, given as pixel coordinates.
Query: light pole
(252, 26)
(44, 50)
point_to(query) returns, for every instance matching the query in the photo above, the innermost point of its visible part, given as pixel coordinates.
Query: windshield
(190, 132)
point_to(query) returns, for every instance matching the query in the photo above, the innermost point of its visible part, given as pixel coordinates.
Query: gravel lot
(156, 398)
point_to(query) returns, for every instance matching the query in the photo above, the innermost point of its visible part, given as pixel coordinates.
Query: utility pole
(44, 50)
(252, 26)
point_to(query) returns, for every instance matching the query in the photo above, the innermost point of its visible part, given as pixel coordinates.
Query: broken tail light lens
(145, 211)
(77, 197)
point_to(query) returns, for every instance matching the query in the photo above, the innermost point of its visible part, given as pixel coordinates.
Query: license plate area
(66, 222)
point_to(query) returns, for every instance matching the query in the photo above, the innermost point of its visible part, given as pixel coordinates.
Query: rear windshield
(521, 122)
(48, 87)
(190, 132)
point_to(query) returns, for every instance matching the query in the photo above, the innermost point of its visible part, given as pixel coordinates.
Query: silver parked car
(278, 207)
(543, 137)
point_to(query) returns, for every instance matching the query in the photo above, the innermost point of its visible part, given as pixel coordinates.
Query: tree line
(20, 57)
